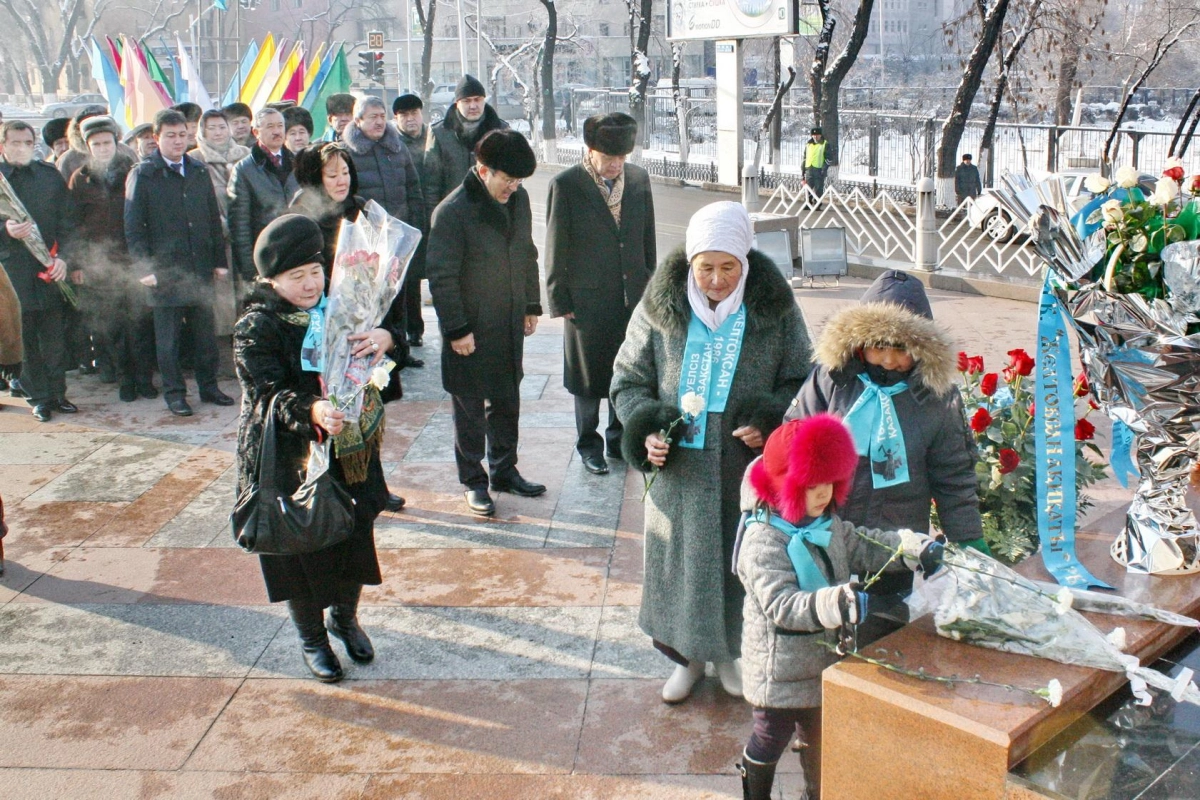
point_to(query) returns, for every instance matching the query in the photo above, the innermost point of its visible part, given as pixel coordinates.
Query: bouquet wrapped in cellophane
(12, 208)
(985, 603)
(372, 259)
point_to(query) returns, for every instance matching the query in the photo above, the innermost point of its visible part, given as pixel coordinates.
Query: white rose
(1167, 188)
(1097, 184)
(692, 404)
(1112, 212)
(1055, 693)
(1127, 177)
(1117, 638)
(1063, 600)
(381, 376)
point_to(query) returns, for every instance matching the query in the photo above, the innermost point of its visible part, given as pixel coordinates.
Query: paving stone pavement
(139, 656)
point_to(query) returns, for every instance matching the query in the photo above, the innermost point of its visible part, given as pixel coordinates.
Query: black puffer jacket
(386, 173)
(450, 153)
(258, 193)
(266, 349)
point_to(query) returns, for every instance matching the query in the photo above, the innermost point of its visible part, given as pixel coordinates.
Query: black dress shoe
(416, 341)
(148, 391)
(594, 464)
(615, 456)
(479, 501)
(217, 398)
(416, 363)
(15, 390)
(180, 407)
(127, 394)
(65, 406)
(519, 486)
(42, 412)
(394, 503)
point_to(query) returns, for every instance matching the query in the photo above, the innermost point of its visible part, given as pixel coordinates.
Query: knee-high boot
(343, 623)
(314, 642)
(757, 778)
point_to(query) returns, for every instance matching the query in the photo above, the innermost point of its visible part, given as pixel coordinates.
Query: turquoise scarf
(809, 575)
(877, 432)
(704, 347)
(312, 352)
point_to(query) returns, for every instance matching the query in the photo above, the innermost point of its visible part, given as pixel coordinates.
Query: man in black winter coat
(966, 180)
(43, 192)
(386, 174)
(260, 188)
(600, 253)
(410, 122)
(483, 275)
(450, 153)
(173, 230)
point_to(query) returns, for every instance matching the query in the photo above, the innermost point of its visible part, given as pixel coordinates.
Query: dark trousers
(413, 321)
(43, 372)
(773, 730)
(815, 178)
(492, 421)
(587, 418)
(168, 330)
(129, 346)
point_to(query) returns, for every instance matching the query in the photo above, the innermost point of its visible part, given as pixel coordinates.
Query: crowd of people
(782, 458)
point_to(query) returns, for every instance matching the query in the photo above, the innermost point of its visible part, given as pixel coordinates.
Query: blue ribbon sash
(877, 433)
(312, 352)
(710, 359)
(1054, 427)
(807, 572)
(1120, 460)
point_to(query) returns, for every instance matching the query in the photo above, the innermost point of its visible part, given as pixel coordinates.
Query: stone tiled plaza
(139, 656)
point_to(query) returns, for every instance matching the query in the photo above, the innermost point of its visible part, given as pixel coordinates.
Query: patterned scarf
(356, 444)
(611, 196)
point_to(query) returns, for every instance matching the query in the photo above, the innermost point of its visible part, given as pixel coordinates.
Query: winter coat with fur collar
(691, 601)
(386, 173)
(941, 454)
(450, 152)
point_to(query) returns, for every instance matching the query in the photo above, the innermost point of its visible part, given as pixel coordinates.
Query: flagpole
(462, 40)
(238, 25)
(408, 48)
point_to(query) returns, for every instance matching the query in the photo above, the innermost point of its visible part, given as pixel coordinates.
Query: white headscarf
(724, 227)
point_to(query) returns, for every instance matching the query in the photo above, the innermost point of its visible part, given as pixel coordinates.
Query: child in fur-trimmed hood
(798, 561)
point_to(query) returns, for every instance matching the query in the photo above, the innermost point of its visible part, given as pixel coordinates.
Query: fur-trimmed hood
(768, 296)
(884, 323)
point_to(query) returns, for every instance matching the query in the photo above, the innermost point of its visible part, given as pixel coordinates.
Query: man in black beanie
(451, 147)
(408, 119)
(483, 275)
(600, 253)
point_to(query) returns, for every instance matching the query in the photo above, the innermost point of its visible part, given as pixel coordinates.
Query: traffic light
(378, 71)
(366, 64)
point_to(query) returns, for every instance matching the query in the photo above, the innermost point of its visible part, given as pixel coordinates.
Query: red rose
(1195, 184)
(1020, 362)
(964, 363)
(1174, 173)
(1092, 404)
(981, 420)
(1009, 460)
(975, 365)
(1032, 408)
(988, 384)
(1082, 387)
(1084, 430)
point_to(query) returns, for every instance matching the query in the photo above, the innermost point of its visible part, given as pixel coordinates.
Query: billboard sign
(730, 19)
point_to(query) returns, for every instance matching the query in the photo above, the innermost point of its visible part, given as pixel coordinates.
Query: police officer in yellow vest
(815, 162)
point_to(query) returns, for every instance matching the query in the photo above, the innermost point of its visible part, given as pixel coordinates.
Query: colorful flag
(314, 66)
(114, 48)
(196, 93)
(181, 90)
(293, 64)
(239, 78)
(157, 74)
(143, 96)
(108, 80)
(335, 79)
(222, 5)
(258, 71)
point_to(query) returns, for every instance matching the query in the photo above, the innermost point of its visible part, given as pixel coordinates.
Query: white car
(988, 215)
(441, 100)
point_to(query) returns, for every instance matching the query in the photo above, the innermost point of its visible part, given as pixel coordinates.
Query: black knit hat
(295, 115)
(506, 151)
(613, 134)
(55, 129)
(407, 102)
(290, 241)
(103, 124)
(469, 86)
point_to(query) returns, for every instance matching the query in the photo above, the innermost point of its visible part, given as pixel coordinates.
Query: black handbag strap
(266, 453)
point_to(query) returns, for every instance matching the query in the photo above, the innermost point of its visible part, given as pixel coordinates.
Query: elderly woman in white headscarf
(713, 354)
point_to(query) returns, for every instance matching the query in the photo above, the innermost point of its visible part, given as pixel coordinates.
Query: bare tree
(550, 38)
(972, 76)
(826, 79)
(48, 30)
(640, 16)
(425, 16)
(1028, 19)
(682, 102)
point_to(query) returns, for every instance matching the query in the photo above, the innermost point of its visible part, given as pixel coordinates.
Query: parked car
(69, 108)
(441, 100)
(988, 215)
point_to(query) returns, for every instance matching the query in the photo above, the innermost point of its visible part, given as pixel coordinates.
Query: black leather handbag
(267, 521)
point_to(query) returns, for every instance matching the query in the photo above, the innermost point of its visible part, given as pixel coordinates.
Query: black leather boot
(343, 623)
(757, 778)
(314, 642)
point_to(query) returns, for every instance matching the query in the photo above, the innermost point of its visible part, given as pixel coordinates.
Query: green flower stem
(655, 470)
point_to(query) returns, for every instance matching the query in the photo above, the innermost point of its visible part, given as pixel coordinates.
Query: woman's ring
(374, 345)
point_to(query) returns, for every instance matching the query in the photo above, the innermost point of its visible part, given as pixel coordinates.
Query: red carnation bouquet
(1000, 409)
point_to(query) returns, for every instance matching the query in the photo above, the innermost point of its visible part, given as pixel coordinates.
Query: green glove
(979, 544)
